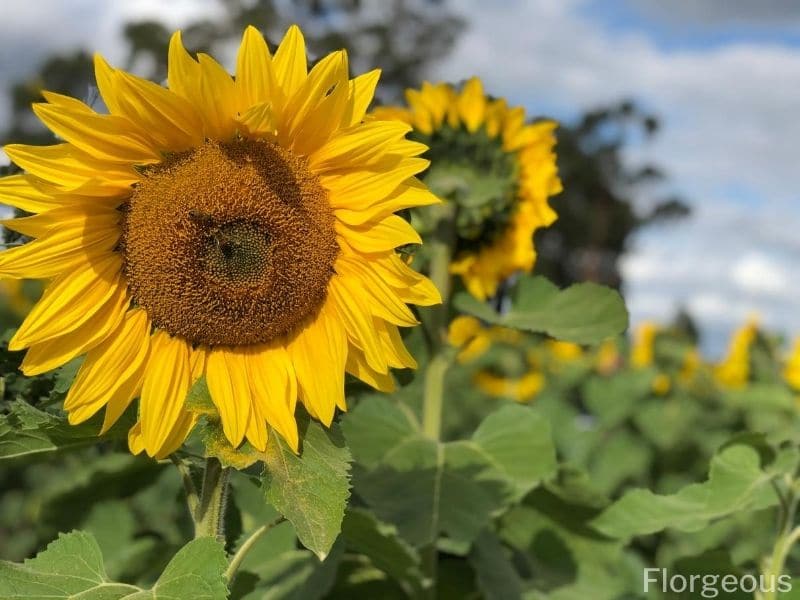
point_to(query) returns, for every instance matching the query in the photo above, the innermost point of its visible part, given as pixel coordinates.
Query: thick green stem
(441, 254)
(192, 497)
(248, 544)
(773, 566)
(209, 518)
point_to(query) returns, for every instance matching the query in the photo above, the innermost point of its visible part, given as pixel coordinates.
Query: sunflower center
(229, 244)
(473, 171)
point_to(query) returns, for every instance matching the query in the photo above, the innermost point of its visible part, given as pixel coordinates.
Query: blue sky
(723, 76)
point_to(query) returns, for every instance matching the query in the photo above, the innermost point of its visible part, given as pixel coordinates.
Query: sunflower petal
(166, 382)
(274, 386)
(290, 61)
(55, 352)
(226, 376)
(69, 301)
(318, 353)
(112, 373)
(255, 77)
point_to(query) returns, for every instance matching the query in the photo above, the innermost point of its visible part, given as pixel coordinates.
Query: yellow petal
(391, 232)
(105, 137)
(53, 353)
(112, 372)
(393, 346)
(183, 73)
(63, 249)
(256, 432)
(18, 191)
(357, 145)
(217, 99)
(69, 301)
(258, 120)
(381, 300)
(472, 104)
(357, 366)
(166, 382)
(255, 78)
(168, 118)
(318, 353)
(68, 168)
(362, 90)
(226, 376)
(290, 61)
(358, 322)
(183, 425)
(361, 189)
(274, 387)
(87, 215)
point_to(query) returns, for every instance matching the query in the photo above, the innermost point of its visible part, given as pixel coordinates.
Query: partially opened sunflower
(496, 169)
(240, 229)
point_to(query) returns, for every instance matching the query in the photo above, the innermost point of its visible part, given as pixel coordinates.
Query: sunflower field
(264, 338)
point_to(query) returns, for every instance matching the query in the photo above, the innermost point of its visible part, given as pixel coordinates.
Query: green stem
(436, 323)
(441, 254)
(209, 518)
(772, 567)
(248, 544)
(192, 497)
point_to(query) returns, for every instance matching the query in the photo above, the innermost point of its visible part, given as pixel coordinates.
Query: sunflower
(733, 372)
(237, 229)
(497, 170)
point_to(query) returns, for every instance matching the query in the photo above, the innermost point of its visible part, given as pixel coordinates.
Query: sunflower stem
(248, 544)
(192, 497)
(441, 254)
(209, 518)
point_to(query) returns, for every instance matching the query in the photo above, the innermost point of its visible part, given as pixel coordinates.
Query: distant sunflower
(498, 170)
(240, 229)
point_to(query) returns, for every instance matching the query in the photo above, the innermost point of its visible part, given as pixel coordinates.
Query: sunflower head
(236, 232)
(494, 169)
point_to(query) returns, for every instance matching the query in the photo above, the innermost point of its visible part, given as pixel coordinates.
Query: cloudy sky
(724, 76)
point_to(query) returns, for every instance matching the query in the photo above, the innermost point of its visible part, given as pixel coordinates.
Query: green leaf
(585, 313)
(72, 566)
(496, 576)
(296, 575)
(375, 426)
(736, 483)
(519, 444)
(26, 430)
(310, 490)
(425, 487)
(379, 541)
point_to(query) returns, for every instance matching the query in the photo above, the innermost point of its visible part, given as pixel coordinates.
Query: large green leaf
(310, 489)
(425, 487)
(26, 430)
(494, 571)
(736, 483)
(585, 313)
(519, 444)
(366, 535)
(72, 567)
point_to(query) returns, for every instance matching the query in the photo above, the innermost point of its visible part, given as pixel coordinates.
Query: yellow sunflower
(240, 229)
(497, 170)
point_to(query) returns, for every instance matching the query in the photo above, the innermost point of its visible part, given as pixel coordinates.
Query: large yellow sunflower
(240, 229)
(498, 170)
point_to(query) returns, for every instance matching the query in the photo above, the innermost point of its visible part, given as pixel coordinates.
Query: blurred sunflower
(734, 370)
(240, 229)
(495, 169)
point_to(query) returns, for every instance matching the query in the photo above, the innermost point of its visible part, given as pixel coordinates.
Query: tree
(597, 211)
